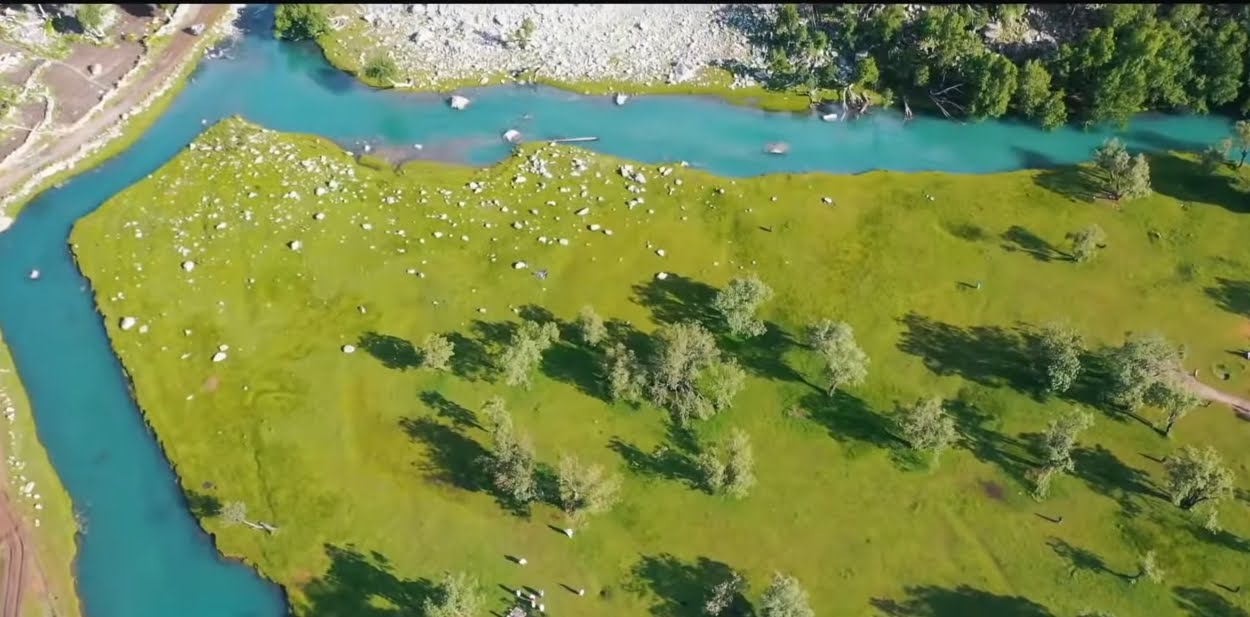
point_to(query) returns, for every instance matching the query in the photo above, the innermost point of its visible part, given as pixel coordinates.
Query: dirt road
(1203, 391)
(13, 173)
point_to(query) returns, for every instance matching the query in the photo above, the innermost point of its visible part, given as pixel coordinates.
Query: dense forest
(1050, 64)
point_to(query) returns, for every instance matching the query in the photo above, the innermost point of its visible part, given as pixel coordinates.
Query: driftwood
(939, 98)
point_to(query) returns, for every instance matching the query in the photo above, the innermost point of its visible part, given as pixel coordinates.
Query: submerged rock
(512, 136)
(458, 102)
(620, 99)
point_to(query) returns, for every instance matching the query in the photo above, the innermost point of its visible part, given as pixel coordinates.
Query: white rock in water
(519, 265)
(5, 222)
(219, 356)
(295, 245)
(188, 265)
(128, 322)
(34, 275)
(511, 136)
(621, 98)
(662, 275)
(458, 102)
(349, 348)
(583, 211)
(777, 148)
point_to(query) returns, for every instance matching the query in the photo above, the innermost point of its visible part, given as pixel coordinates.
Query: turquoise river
(141, 554)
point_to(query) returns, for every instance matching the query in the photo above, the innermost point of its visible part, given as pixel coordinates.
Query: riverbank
(367, 463)
(39, 550)
(703, 50)
(121, 118)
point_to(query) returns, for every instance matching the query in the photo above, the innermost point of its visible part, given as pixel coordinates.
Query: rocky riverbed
(636, 43)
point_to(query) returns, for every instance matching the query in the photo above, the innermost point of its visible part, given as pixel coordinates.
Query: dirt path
(14, 172)
(1239, 405)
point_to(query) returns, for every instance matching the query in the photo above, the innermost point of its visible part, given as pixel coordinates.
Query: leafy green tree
(688, 375)
(381, 68)
(525, 351)
(436, 352)
(866, 73)
(625, 376)
(1086, 242)
(590, 326)
(91, 17)
(1147, 568)
(1216, 154)
(1197, 476)
(724, 594)
(1033, 89)
(1173, 399)
(738, 303)
(1057, 444)
(926, 426)
(1123, 177)
(585, 489)
(992, 79)
(785, 598)
(1137, 365)
(511, 462)
(1241, 137)
(1219, 52)
(1055, 112)
(740, 466)
(458, 595)
(297, 22)
(711, 470)
(1059, 349)
(845, 363)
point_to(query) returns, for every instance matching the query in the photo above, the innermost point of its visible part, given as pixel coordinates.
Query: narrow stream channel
(142, 554)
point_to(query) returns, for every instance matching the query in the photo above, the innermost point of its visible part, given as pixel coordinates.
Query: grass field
(367, 464)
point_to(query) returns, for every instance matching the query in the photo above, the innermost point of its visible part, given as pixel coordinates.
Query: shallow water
(142, 554)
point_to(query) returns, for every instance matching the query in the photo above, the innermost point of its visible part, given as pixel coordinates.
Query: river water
(142, 554)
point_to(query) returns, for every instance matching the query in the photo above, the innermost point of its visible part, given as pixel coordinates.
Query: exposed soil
(1239, 404)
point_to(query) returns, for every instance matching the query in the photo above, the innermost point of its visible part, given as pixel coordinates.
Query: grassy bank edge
(55, 540)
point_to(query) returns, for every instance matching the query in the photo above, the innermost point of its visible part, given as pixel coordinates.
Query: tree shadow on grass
(1187, 181)
(445, 408)
(1019, 239)
(987, 355)
(678, 299)
(474, 352)
(850, 420)
(968, 231)
(763, 355)
(577, 365)
(356, 585)
(963, 601)
(454, 459)
(392, 351)
(1198, 602)
(1076, 183)
(665, 461)
(1015, 456)
(1230, 295)
(682, 588)
(202, 505)
(1107, 475)
(1081, 559)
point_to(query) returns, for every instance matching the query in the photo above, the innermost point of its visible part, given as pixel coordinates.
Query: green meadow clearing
(368, 464)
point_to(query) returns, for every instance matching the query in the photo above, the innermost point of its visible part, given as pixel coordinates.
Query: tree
(688, 376)
(711, 470)
(1241, 136)
(785, 598)
(585, 489)
(1057, 446)
(724, 594)
(458, 595)
(740, 467)
(1142, 361)
(992, 81)
(1197, 476)
(381, 68)
(524, 33)
(525, 351)
(436, 352)
(926, 426)
(590, 326)
(91, 17)
(1059, 349)
(1123, 177)
(738, 303)
(296, 22)
(1146, 567)
(845, 363)
(1033, 90)
(511, 462)
(866, 74)
(1086, 242)
(1173, 399)
(624, 374)
(1216, 154)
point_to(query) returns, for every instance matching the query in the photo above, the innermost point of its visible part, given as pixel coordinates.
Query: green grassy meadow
(368, 464)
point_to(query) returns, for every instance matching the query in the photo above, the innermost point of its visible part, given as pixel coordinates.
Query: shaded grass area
(54, 541)
(371, 465)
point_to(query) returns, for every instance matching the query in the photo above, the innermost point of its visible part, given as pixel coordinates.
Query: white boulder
(295, 245)
(620, 99)
(128, 322)
(349, 349)
(188, 265)
(219, 356)
(458, 102)
(519, 265)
